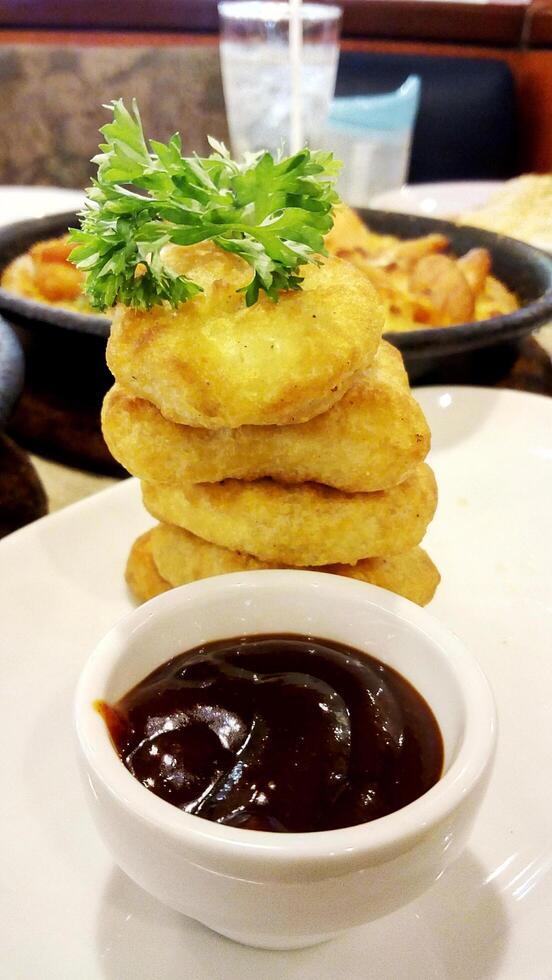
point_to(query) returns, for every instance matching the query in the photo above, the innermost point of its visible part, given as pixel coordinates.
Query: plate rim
(235, 961)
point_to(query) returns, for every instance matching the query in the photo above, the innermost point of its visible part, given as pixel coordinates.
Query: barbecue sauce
(281, 733)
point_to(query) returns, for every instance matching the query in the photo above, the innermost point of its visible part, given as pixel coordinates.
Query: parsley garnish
(273, 213)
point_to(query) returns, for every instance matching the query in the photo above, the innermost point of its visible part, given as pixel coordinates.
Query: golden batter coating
(214, 362)
(412, 574)
(171, 556)
(142, 577)
(370, 440)
(181, 557)
(302, 524)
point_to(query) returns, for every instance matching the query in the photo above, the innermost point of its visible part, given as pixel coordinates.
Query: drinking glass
(257, 72)
(372, 136)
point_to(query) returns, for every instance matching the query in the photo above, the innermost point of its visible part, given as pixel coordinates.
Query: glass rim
(273, 10)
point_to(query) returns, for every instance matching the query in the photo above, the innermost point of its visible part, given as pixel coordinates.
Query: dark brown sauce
(279, 733)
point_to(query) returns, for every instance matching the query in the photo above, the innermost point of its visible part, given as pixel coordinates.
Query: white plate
(19, 202)
(444, 199)
(66, 912)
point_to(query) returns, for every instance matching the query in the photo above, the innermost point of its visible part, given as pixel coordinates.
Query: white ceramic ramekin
(287, 890)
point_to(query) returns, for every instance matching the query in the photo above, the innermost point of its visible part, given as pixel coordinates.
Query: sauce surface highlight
(281, 733)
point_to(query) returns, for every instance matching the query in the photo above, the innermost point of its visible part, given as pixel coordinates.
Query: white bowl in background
(440, 199)
(19, 203)
(287, 890)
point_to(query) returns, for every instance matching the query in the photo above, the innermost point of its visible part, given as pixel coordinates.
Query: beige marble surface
(52, 98)
(65, 485)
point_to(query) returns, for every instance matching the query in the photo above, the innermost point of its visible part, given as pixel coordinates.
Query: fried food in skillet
(45, 274)
(348, 231)
(302, 524)
(418, 281)
(411, 574)
(214, 362)
(371, 439)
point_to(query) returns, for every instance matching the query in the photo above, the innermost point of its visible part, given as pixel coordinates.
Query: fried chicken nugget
(412, 574)
(181, 557)
(142, 577)
(302, 524)
(371, 439)
(169, 556)
(214, 362)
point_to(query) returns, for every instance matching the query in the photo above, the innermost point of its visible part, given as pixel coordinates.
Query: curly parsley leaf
(272, 213)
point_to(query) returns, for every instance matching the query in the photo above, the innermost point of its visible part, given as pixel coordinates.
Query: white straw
(295, 58)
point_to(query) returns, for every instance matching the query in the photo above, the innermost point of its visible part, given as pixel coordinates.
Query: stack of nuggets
(280, 435)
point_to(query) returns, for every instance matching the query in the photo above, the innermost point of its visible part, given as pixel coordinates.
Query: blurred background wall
(52, 96)
(60, 60)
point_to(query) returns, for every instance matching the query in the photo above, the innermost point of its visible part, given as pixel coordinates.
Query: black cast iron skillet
(15, 239)
(22, 496)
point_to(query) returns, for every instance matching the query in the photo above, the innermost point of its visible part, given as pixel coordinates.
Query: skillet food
(419, 281)
(45, 274)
